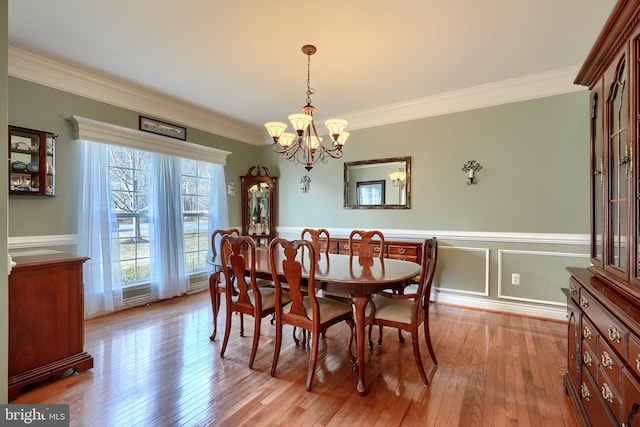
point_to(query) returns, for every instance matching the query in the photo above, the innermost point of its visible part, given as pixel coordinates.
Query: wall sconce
(304, 183)
(471, 167)
(398, 179)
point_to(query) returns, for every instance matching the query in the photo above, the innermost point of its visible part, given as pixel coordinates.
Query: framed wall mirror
(378, 184)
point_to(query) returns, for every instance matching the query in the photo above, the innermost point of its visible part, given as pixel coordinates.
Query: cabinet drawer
(609, 393)
(592, 402)
(610, 329)
(589, 334)
(630, 397)
(344, 249)
(574, 290)
(634, 354)
(403, 250)
(589, 359)
(610, 364)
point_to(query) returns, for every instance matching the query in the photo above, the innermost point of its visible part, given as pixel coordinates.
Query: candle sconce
(471, 167)
(304, 183)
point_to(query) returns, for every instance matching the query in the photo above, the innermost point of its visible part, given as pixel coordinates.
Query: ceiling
(377, 61)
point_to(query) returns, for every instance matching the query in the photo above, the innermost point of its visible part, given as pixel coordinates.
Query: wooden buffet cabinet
(603, 378)
(396, 249)
(46, 319)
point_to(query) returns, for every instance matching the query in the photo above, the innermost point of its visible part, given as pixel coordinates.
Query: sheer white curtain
(169, 274)
(96, 226)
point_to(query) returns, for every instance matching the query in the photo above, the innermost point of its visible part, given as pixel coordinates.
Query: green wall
(534, 177)
(39, 107)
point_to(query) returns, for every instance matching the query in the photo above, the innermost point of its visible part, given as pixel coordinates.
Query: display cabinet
(31, 162)
(258, 205)
(604, 300)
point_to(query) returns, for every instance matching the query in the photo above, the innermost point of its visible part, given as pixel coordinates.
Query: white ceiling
(243, 58)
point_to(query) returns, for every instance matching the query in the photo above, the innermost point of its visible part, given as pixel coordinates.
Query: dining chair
(306, 310)
(319, 238)
(247, 297)
(407, 311)
(215, 286)
(366, 244)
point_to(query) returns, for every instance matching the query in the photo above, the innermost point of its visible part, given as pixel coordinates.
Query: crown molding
(556, 82)
(58, 75)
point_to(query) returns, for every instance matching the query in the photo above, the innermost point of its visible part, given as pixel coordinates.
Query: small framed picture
(162, 128)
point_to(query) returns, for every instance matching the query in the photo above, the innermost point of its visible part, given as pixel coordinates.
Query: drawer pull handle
(584, 302)
(403, 250)
(586, 359)
(606, 393)
(376, 249)
(584, 391)
(607, 362)
(638, 363)
(586, 333)
(573, 290)
(345, 246)
(614, 334)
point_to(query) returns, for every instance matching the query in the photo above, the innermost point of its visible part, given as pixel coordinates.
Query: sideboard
(404, 250)
(46, 319)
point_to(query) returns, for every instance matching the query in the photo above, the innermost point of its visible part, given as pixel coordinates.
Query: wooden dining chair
(366, 245)
(319, 238)
(215, 286)
(306, 310)
(247, 297)
(407, 311)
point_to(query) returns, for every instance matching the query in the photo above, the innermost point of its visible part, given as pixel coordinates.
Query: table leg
(359, 305)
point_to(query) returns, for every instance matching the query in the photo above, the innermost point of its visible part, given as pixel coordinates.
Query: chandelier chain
(310, 90)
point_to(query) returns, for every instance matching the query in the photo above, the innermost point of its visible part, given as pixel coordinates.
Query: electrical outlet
(515, 279)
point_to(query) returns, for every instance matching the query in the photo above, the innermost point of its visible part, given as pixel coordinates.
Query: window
(370, 192)
(129, 191)
(196, 196)
(129, 179)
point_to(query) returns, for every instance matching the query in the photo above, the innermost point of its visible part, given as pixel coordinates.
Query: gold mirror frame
(391, 196)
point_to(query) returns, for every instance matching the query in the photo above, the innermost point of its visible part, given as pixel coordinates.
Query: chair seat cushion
(329, 309)
(268, 297)
(395, 310)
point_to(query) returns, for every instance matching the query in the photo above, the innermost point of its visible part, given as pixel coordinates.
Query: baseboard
(519, 309)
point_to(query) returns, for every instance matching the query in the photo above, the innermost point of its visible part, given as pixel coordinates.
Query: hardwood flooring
(155, 366)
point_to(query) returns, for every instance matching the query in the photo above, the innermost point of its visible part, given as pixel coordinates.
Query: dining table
(359, 277)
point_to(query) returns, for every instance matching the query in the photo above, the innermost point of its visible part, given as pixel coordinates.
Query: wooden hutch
(603, 377)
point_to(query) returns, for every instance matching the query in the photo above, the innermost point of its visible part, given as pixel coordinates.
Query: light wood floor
(155, 366)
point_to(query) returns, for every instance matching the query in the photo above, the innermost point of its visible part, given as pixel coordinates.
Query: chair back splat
(366, 245)
(319, 238)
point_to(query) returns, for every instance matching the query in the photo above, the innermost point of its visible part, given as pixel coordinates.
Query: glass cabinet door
(597, 179)
(31, 162)
(619, 169)
(258, 216)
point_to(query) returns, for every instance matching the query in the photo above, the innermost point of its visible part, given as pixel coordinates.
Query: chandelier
(305, 146)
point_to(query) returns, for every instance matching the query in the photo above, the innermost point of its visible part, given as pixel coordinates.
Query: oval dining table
(360, 278)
